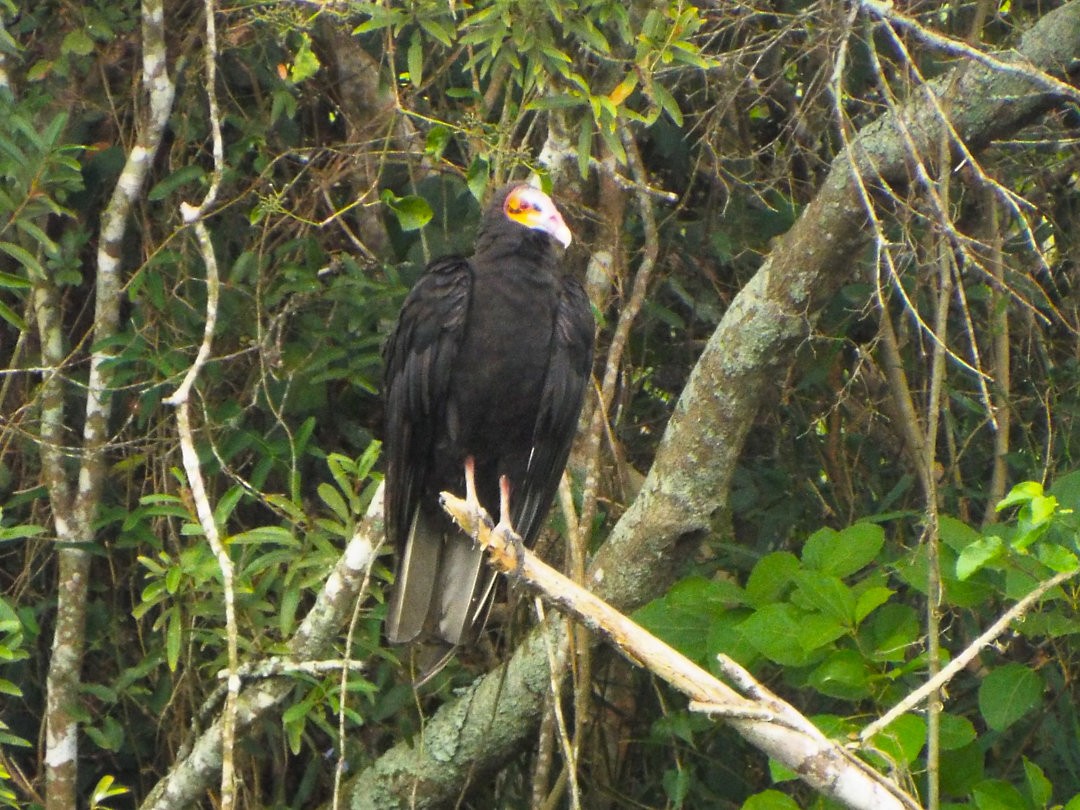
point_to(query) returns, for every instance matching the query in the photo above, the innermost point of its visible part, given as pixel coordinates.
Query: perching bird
(485, 374)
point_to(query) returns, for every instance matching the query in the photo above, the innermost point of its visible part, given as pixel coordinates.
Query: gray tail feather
(459, 573)
(415, 583)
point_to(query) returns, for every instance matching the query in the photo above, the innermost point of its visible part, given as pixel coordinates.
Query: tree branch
(763, 719)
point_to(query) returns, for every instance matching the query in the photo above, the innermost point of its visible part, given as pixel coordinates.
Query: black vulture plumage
(486, 368)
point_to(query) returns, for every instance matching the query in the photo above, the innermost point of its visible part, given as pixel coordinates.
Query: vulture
(485, 375)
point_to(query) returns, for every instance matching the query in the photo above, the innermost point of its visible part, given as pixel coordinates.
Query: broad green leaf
(777, 631)
(1057, 558)
(1007, 694)
(332, 498)
(891, 631)
(827, 594)
(676, 785)
(842, 675)
(770, 800)
(12, 317)
(997, 794)
(771, 578)
(477, 178)
(956, 534)
(305, 64)
(902, 740)
(977, 555)
(816, 630)
(956, 732)
(412, 212)
(1021, 493)
(24, 257)
(438, 138)
(870, 600)
(846, 552)
(77, 42)
(187, 174)
(1039, 789)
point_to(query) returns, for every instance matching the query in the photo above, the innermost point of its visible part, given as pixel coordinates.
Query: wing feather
(419, 357)
(561, 399)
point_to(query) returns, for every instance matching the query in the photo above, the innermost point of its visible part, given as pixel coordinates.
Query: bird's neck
(527, 246)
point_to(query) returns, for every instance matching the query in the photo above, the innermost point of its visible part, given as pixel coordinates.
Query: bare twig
(182, 400)
(957, 664)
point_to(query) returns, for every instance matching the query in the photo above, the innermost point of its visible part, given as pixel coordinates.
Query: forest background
(832, 250)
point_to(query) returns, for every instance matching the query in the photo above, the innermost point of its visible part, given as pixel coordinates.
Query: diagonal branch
(765, 721)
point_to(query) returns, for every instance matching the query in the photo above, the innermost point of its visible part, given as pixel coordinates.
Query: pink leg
(505, 525)
(470, 482)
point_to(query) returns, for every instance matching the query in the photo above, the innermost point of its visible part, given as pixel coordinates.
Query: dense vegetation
(910, 474)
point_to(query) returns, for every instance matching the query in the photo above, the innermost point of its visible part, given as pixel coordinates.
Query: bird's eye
(517, 205)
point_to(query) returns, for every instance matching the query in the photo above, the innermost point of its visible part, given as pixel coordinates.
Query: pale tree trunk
(74, 512)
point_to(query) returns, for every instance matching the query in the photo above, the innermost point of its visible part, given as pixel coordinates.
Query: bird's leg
(471, 499)
(505, 524)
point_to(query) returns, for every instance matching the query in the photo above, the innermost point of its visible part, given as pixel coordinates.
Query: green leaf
(683, 617)
(956, 534)
(902, 740)
(955, 732)
(438, 138)
(412, 212)
(997, 794)
(1020, 494)
(827, 594)
(25, 258)
(415, 58)
(846, 552)
(77, 42)
(12, 317)
(870, 600)
(188, 174)
(1039, 789)
(174, 635)
(771, 578)
(777, 632)
(770, 800)
(843, 675)
(667, 102)
(477, 178)
(1007, 694)
(305, 64)
(676, 785)
(332, 498)
(891, 631)
(277, 535)
(1057, 558)
(977, 555)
